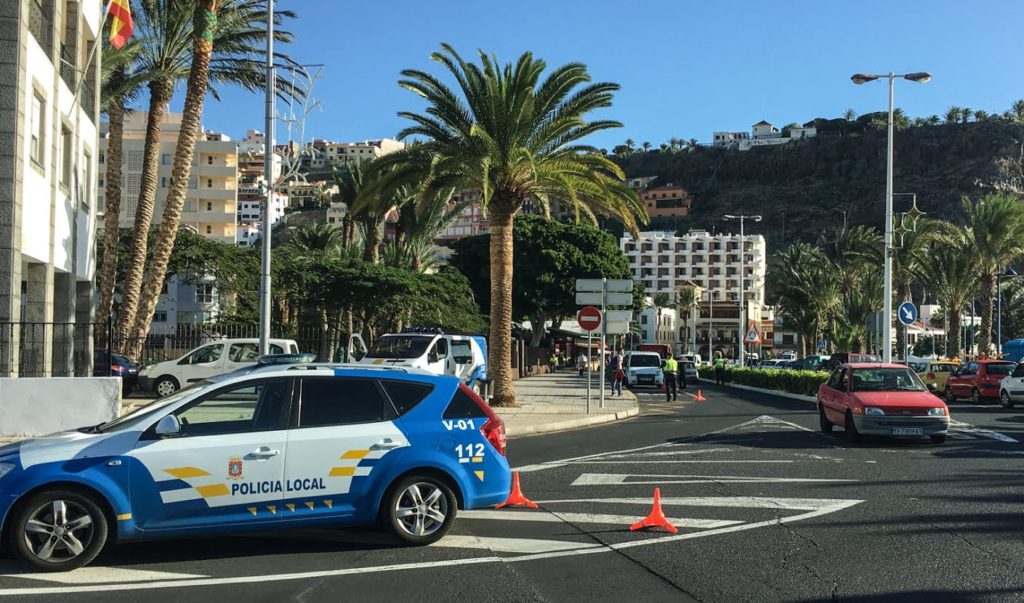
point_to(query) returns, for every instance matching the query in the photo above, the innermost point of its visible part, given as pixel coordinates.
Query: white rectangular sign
(589, 284)
(617, 328)
(619, 299)
(611, 316)
(619, 286)
(588, 299)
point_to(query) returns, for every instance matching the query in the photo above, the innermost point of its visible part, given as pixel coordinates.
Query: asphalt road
(767, 510)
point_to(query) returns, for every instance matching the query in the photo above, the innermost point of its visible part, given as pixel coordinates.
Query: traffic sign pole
(590, 367)
(604, 329)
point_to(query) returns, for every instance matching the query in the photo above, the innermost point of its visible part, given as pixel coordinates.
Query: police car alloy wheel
(59, 530)
(421, 510)
(165, 386)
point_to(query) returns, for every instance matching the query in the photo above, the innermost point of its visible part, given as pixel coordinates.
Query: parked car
(848, 358)
(880, 399)
(813, 362)
(116, 366)
(429, 349)
(936, 375)
(643, 368)
(978, 379)
(285, 446)
(690, 372)
(1011, 389)
(217, 358)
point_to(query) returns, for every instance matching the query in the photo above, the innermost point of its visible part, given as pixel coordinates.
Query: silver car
(1011, 388)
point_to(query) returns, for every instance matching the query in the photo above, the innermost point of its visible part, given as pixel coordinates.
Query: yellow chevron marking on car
(186, 472)
(479, 474)
(330, 505)
(310, 505)
(252, 510)
(354, 454)
(478, 459)
(343, 472)
(212, 490)
(291, 507)
(124, 517)
(272, 509)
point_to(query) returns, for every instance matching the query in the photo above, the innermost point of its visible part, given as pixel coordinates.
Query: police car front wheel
(421, 510)
(59, 530)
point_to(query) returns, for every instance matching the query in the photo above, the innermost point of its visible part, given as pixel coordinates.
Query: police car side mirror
(168, 426)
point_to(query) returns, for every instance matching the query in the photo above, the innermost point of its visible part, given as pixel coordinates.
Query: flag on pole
(121, 22)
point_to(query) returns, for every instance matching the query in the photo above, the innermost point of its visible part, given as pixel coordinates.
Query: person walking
(669, 368)
(581, 363)
(618, 375)
(553, 362)
(719, 369)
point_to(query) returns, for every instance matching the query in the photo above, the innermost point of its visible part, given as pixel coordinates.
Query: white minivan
(462, 356)
(215, 358)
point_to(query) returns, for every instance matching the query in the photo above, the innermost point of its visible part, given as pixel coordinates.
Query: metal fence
(41, 349)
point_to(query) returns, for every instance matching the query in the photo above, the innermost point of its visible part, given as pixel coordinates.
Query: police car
(278, 446)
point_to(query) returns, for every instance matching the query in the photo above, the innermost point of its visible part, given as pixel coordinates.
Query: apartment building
(252, 185)
(48, 163)
(325, 155)
(668, 201)
(761, 134)
(211, 202)
(471, 220)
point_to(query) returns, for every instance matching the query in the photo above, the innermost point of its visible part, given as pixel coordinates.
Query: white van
(643, 368)
(462, 356)
(215, 358)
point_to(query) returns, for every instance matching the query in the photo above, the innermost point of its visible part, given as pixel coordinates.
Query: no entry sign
(589, 318)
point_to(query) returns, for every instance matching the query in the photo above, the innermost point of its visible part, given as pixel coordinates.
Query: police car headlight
(6, 468)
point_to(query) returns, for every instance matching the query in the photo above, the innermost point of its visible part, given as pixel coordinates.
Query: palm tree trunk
(205, 22)
(500, 362)
(952, 332)
(159, 96)
(111, 208)
(371, 252)
(988, 295)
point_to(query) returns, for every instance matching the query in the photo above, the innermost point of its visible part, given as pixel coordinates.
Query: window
(1019, 371)
(462, 352)
(259, 406)
(163, 181)
(163, 288)
(133, 160)
(209, 229)
(165, 159)
(66, 145)
(209, 206)
(463, 407)
(204, 355)
(103, 158)
(406, 394)
(205, 291)
(87, 192)
(193, 183)
(37, 125)
(209, 160)
(334, 401)
(441, 348)
(244, 352)
(160, 316)
(209, 183)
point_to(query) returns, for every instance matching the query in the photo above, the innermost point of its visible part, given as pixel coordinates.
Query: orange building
(666, 201)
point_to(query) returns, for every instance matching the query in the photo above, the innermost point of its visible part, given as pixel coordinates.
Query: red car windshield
(885, 380)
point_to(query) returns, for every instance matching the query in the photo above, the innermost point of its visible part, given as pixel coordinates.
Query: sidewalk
(558, 402)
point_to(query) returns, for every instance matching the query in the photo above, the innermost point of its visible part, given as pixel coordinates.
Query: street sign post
(907, 313)
(589, 318)
(606, 292)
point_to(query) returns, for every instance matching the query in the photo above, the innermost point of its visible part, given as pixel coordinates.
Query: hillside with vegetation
(802, 188)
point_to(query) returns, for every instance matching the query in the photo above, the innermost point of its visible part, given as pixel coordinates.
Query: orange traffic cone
(656, 519)
(699, 397)
(516, 497)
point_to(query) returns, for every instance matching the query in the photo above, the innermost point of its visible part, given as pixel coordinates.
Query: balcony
(68, 73)
(220, 171)
(40, 23)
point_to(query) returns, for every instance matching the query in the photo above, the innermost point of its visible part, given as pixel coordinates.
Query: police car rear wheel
(421, 510)
(59, 530)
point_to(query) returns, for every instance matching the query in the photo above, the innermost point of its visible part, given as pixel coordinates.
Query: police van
(279, 446)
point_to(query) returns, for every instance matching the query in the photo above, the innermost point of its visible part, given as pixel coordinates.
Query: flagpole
(88, 61)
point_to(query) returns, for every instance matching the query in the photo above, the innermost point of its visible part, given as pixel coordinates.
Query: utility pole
(740, 345)
(268, 177)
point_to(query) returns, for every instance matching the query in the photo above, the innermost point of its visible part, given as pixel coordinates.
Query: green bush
(794, 382)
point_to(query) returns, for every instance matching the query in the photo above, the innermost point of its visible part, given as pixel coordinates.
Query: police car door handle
(264, 451)
(387, 444)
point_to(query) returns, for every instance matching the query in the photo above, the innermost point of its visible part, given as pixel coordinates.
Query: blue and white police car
(278, 446)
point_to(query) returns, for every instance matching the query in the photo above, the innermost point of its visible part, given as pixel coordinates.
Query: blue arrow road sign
(907, 313)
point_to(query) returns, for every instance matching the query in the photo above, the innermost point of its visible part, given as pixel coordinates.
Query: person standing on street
(719, 369)
(618, 375)
(581, 363)
(681, 379)
(669, 369)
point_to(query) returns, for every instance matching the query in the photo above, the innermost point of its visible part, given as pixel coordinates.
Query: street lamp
(269, 115)
(863, 78)
(1010, 273)
(743, 303)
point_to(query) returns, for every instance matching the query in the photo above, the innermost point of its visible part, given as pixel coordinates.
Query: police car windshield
(400, 346)
(638, 360)
(132, 419)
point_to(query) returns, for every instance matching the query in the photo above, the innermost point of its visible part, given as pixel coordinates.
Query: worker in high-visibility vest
(668, 369)
(719, 369)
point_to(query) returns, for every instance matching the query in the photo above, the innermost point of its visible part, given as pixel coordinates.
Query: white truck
(462, 356)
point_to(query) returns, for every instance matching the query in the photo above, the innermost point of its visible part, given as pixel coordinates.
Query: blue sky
(686, 67)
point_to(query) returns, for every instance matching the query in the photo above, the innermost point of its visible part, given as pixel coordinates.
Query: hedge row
(794, 382)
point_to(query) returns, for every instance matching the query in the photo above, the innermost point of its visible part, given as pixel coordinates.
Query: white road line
(837, 505)
(602, 518)
(668, 461)
(511, 545)
(97, 575)
(738, 502)
(618, 479)
(674, 452)
(974, 430)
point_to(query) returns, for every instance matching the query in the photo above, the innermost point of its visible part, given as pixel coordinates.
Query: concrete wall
(41, 406)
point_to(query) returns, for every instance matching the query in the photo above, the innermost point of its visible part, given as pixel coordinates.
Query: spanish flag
(120, 22)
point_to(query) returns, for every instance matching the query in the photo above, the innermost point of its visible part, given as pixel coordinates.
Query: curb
(773, 392)
(512, 431)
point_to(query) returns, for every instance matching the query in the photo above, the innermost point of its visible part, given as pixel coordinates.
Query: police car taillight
(494, 428)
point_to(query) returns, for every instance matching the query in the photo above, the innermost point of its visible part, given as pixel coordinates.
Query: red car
(880, 399)
(978, 380)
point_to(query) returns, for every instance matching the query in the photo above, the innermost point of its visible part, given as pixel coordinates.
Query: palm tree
(849, 114)
(420, 222)
(685, 302)
(165, 29)
(950, 273)
(317, 238)
(933, 120)
(965, 115)
(647, 146)
(630, 144)
(995, 229)
(516, 138)
(953, 115)
(907, 260)
(693, 143)
(1017, 110)
(980, 115)
(120, 84)
(808, 290)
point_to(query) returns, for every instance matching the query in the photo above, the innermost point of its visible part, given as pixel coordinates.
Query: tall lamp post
(1000, 275)
(863, 78)
(268, 177)
(740, 334)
